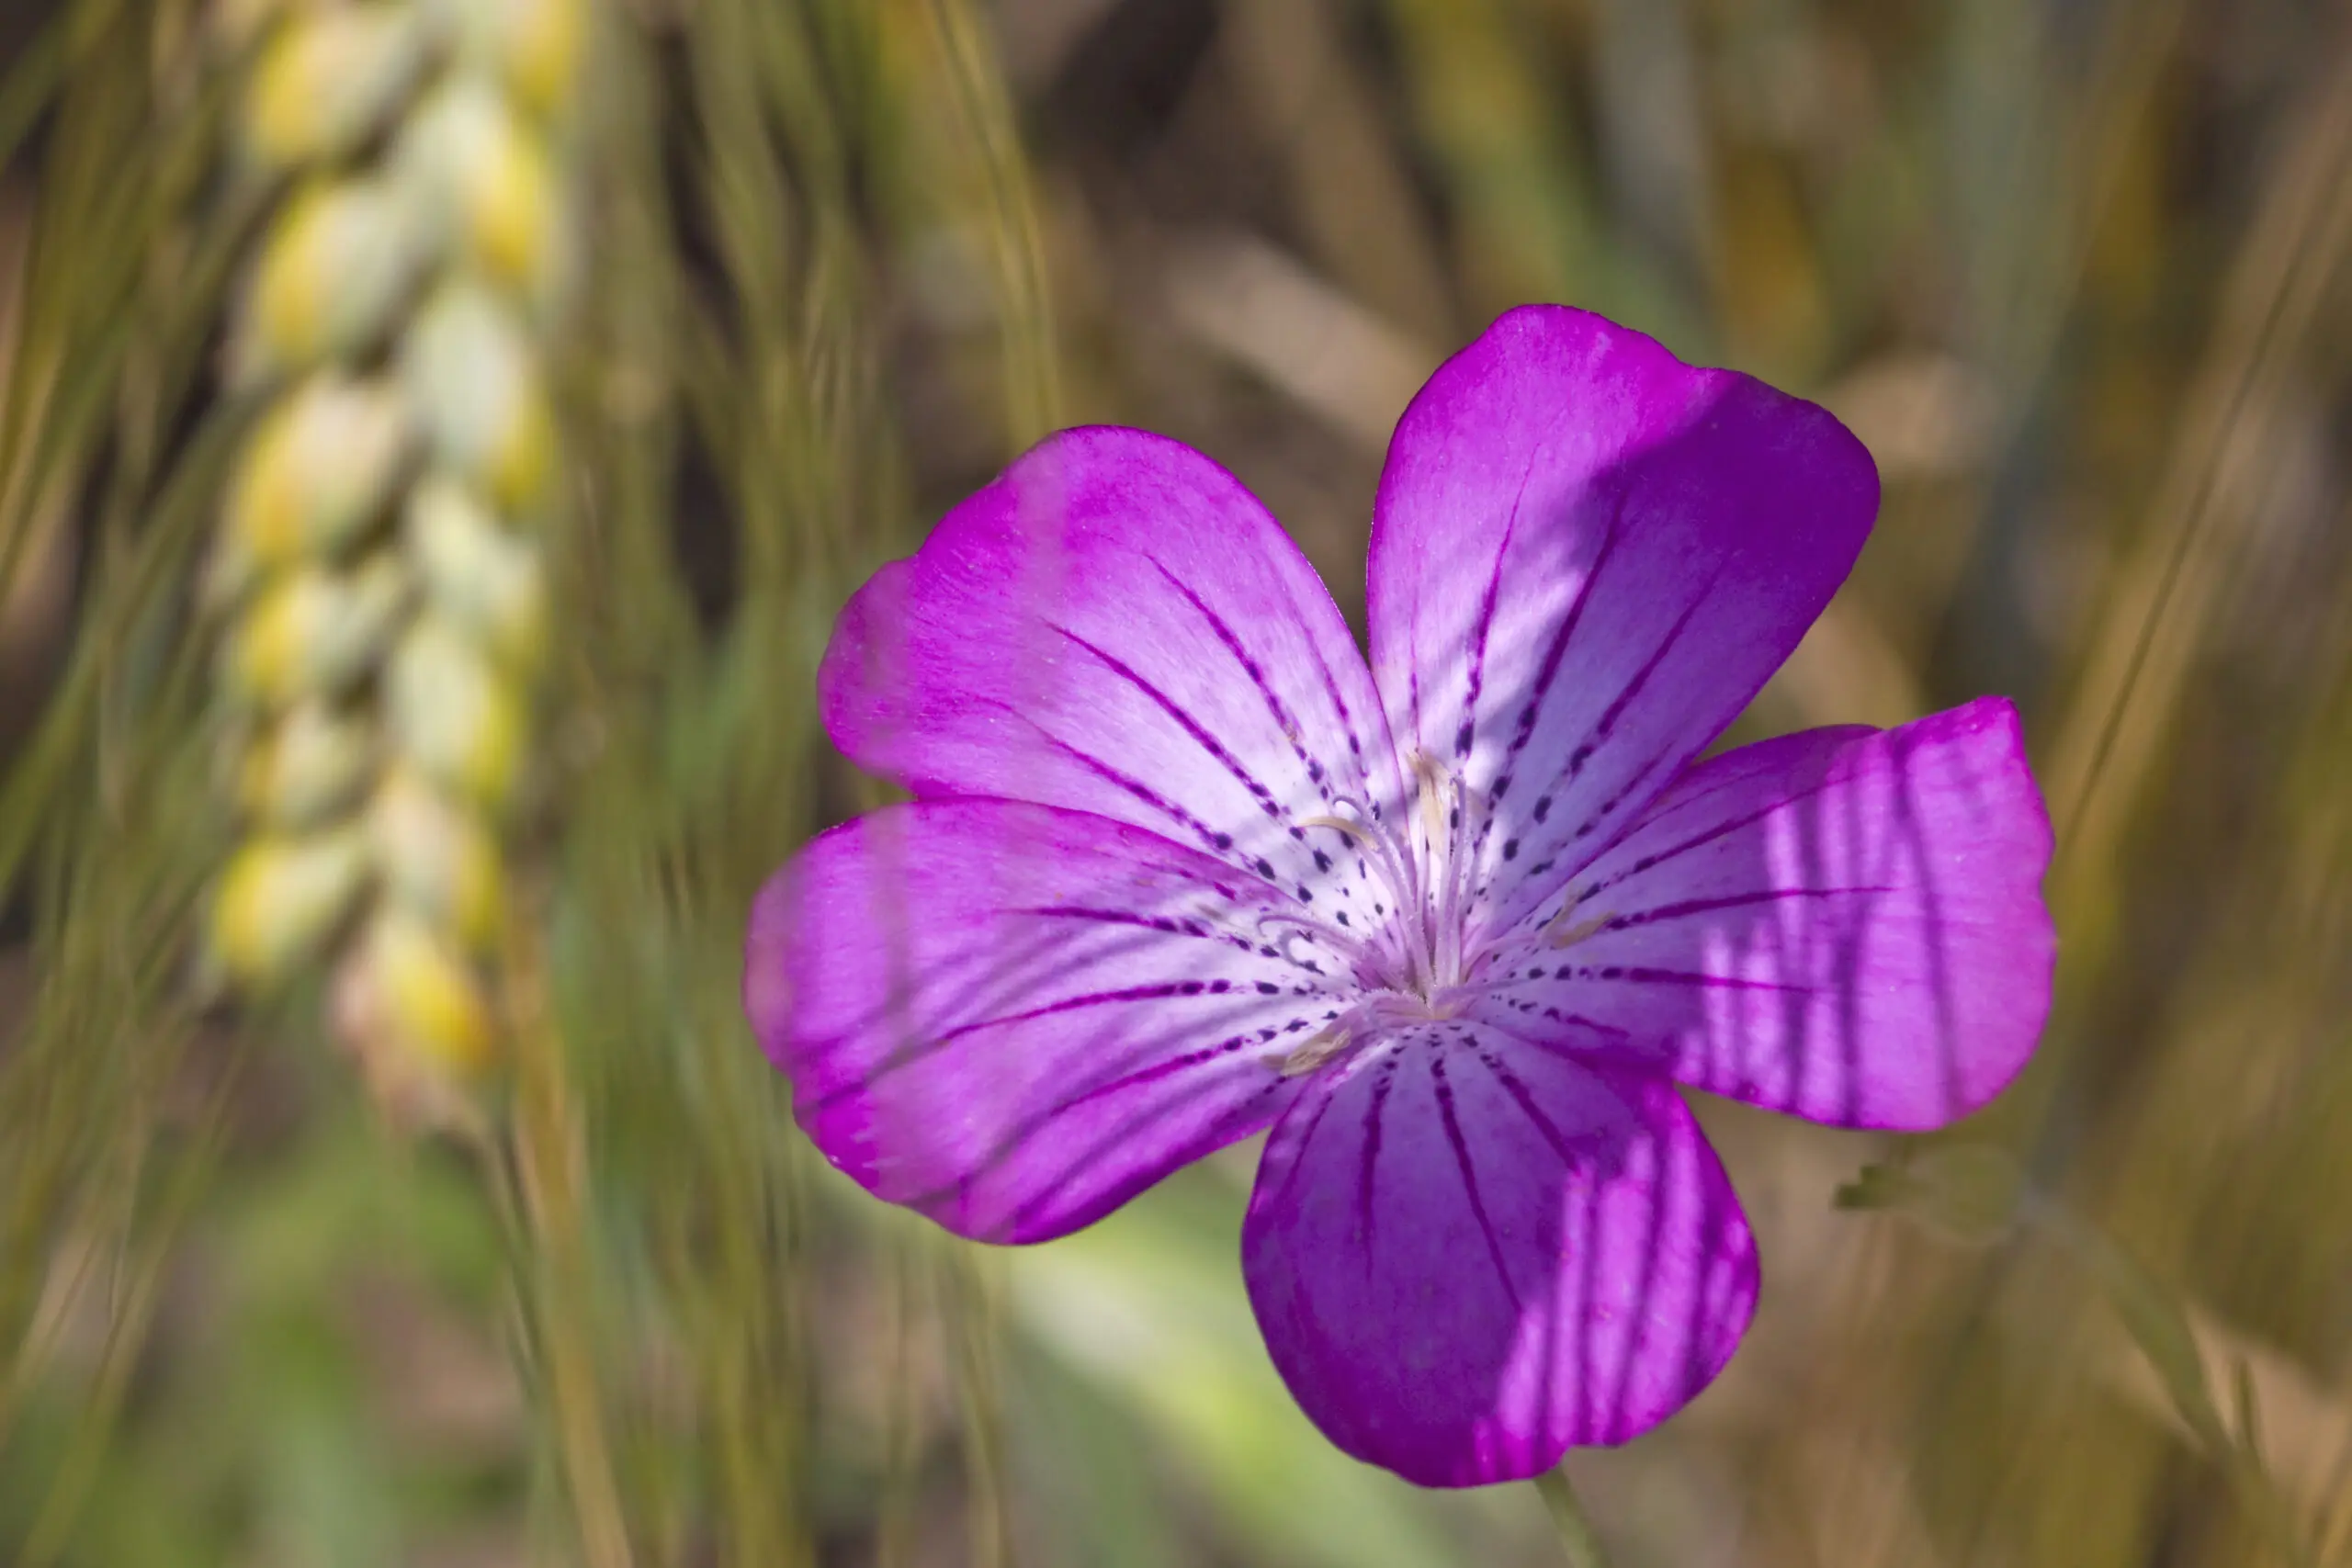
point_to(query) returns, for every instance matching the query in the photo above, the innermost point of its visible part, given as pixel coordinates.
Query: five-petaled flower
(1180, 867)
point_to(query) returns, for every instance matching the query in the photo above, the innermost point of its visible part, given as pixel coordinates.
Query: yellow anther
(1430, 790)
(1355, 831)
(1318, 1049)
(1563, 934)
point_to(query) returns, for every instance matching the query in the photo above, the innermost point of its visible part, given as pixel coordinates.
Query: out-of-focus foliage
(2074, 271)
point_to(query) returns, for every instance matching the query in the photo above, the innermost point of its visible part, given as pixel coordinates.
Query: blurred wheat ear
(631, 1136)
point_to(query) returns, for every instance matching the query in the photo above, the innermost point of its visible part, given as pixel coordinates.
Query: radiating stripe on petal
(1015, 1018)
(1585, 557)
(1469, 1255)
(1116, 625)
(1844, 924)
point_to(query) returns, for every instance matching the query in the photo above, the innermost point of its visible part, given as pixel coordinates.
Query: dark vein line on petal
(1284, 720)
(1218, 1131)
(1486, 627)
(916, 1053)
(1201, 735)
(1603, 731)
(1665, 912)
(1452, 1121)
(1158, 1070)
(1157, 992)
(1626, 975)
(1112, 775)
(1735, 770)
(1356, 762)
(1166, 924)
(1548, 671)
(1526, 1098)
(1297, 1158)
(1610, 1034)
(1371, 1156)
(1652, 861)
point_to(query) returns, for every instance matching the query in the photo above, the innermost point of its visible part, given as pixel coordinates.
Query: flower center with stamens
(1414, 959)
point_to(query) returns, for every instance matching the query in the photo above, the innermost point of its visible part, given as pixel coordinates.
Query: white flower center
(1426, 958)
(1422, 950)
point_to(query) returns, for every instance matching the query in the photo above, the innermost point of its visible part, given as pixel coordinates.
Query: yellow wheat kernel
(534, 44)
(334, 266)
(316, 471)
(313, 631)
(477, 573)
(305, 766)
(438, 859)
(280, 897)
(474, 379)
(481, 178)
(328, 78)
(452, 713)
(418, 1008)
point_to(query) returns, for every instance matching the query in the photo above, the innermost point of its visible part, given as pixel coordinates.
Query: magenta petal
(1844, 924)
(1115, 625)
(1469, 1255)
(1014, 1018)
(1585, 557)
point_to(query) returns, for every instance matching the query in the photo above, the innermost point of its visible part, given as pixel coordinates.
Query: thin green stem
(1577, 1541)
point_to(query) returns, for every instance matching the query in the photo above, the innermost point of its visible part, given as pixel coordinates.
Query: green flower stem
(1577, 1541)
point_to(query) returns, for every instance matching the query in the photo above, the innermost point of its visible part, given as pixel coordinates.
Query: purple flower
(1180, 868)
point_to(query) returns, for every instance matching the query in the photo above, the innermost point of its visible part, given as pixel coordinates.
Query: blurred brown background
(2074, 269)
